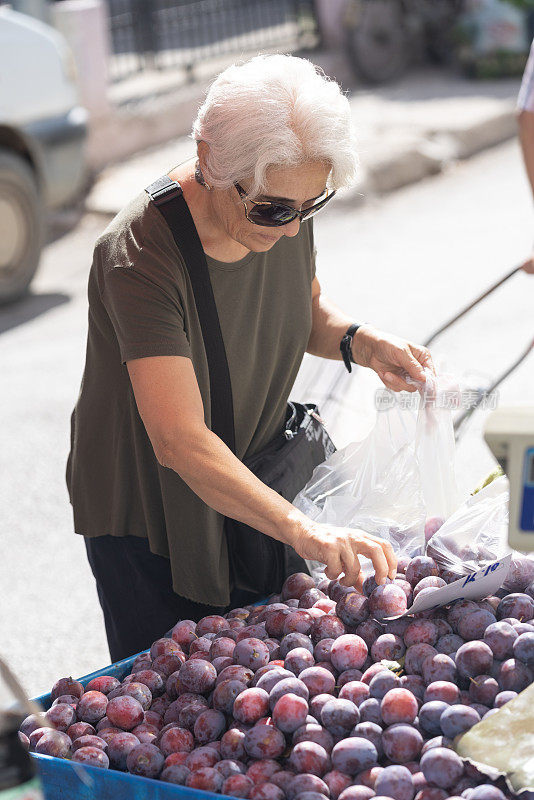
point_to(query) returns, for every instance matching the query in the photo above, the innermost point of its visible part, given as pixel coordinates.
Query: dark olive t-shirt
(141, 304)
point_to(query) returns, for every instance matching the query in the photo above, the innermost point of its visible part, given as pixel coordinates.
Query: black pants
(135, 591)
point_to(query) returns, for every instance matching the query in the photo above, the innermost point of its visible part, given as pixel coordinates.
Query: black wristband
(346, 346)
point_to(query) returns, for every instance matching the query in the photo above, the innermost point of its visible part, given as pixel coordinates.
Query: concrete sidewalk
(406, 132)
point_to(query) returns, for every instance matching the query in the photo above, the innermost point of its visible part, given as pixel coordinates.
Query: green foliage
(525, 5)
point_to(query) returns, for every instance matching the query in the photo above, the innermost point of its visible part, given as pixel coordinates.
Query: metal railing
(163, 34)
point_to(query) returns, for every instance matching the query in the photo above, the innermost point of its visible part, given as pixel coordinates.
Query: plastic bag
(477, 534)
(435, 449)
(391, 482)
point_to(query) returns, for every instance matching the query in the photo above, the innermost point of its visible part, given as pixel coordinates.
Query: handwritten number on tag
(471, 577)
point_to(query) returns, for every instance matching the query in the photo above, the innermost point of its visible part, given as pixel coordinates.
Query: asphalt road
(405, 262)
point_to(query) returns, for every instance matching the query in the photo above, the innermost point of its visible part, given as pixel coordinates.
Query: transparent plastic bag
(391, 483)
(435, 446)
(477, 534)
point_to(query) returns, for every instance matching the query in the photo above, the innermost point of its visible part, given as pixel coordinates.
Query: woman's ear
(203, 150)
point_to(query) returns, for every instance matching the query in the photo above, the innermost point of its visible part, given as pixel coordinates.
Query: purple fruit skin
(461, 664)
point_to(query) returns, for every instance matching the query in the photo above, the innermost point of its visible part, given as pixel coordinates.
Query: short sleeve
(525, 101)
(147, 320)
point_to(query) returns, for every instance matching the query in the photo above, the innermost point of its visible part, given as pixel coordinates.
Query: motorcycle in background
(385, 36)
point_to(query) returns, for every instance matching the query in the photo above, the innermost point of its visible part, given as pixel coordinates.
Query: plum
(388, 600)
(251, 705)
(263, 770)
(237, 786)
(125, 712)
(264, 741)
(175, 773)
(444, 691)
(290, 712)
(388, 646)
(395, 781)
(337, 782)
(419, 631)
(61, 716)
(91, 707)
(89, 741)
(295, 585)
(421, 567)
(304, 783)
(353, 608)
(517, 605)
(382, 683)
(402, 743)
(442, 767)
(80, 729)
(523, 648)
(66, 686)
(210, 725)
(398, 705)
(313, 732)
(103, 683)
(52, 743)
(204, 756)
(514, 675)
(318, 680)
(348, 651)
(225, 694)
(473, 658)
(233, 745)
(298, 660)
(457, 719)
(119, 745)
(206, 778)
(176, 740)
(355, 691)
(353, 754)
(199, 676)
(339, 716)
(91, 757)
(293, 640)
(371, 732)
(310, 758)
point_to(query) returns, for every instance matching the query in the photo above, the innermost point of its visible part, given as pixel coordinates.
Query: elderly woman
(149, 482)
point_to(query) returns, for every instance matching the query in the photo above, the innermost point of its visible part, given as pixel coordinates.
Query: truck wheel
(377, 42)
(21, 226)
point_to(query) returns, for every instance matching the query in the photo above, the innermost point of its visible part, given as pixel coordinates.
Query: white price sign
(474, 586)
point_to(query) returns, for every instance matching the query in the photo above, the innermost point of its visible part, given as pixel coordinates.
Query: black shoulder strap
(167, 195)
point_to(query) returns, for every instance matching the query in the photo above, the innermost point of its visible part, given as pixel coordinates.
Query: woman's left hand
(391, 357)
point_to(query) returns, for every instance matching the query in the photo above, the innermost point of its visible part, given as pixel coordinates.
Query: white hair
(275, 110)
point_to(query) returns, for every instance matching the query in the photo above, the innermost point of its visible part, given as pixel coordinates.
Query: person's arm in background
(526, 137)
(526, 131)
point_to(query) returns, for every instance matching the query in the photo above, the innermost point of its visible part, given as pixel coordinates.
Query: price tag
(474, 586)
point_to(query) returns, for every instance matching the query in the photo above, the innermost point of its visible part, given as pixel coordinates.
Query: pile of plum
(315, 696)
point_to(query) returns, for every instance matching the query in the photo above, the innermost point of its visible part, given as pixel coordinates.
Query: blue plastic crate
(67, 780)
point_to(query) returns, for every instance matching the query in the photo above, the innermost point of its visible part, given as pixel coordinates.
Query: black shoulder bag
(258, 563)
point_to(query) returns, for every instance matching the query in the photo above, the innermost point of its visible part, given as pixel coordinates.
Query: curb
(429, 156)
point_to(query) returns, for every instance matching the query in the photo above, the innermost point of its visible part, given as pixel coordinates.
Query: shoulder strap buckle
(163, 190)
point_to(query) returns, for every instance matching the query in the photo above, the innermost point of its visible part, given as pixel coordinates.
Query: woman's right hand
(339, 549)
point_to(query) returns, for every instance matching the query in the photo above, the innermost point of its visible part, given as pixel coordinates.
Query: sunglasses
(271, 214)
